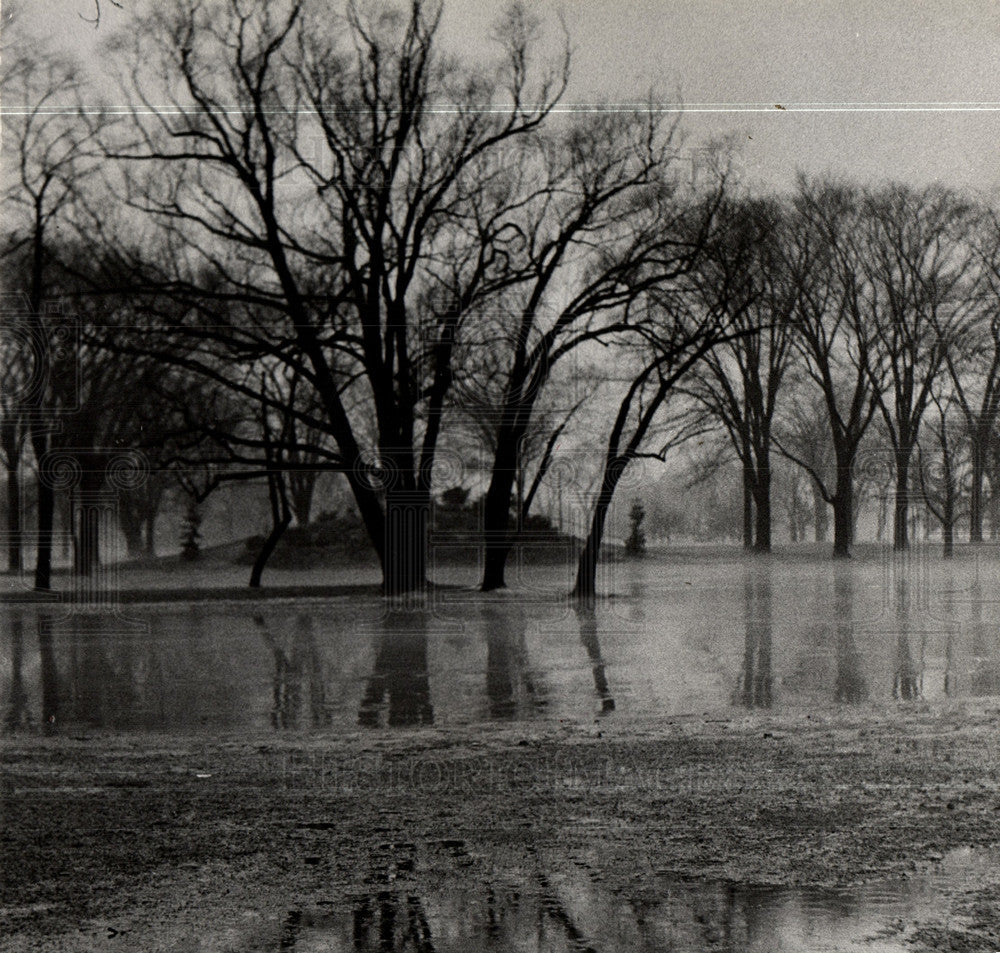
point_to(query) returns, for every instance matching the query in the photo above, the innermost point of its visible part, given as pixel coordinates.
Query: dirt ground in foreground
(119, 843)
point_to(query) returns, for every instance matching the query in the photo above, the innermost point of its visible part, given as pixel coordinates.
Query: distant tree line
(307, 241)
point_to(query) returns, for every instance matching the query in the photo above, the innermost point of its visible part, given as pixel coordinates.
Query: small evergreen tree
(635, 545)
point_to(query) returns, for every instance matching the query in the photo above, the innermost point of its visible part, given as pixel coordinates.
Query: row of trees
(874, 346)
(308, 242)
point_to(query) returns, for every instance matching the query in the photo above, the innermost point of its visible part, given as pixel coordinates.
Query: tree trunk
(850, 685)
(747, 507)
(586, 569)
(948, 520)
(280, 518)
(762, 504)
(407, 517)
(843, 512)
(12, 444)
(976, 490)
(131, 528)
(46, 513)
(273, 538)
(302, 487)
(370, 509)
(15, 558)
(496, 512)
(900, 537)
(88, 540)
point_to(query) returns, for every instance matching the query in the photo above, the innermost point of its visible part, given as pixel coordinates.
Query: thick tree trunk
(850, 685)
(948, 516)
(88, 540)
(496, 512)
(762, 504)
(900, 536)
(370, 509)
(407, 521)
(12, 445)
(302, 488)
(46, 513)
(267, 550)
(747, 507)
(131, 529)
(976, 490)
(15, 558)
(843, 512)
(586, 569)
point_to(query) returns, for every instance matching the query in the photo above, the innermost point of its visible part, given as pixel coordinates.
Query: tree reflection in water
(587, 619)
(299, 686)
(511, 687)
(756, 677)
(15, 711)
(556, 912)
(908, 678)
(400, 673)
(850, 685)
(49, 672)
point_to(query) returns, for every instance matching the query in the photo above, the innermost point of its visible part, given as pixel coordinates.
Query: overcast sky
(877, 88)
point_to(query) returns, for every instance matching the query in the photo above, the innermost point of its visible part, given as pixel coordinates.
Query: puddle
(570, 913)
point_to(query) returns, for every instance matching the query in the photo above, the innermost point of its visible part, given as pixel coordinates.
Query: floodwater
(569, 912)
(672, 638)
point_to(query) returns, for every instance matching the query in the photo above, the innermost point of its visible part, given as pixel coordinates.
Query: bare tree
(679, 333)
(742, 274)
(16, 380)
(973, 362)
(363, 222)
(822, 263)
(52, 140)
(802, 428)
(917, 301)
(609, 223)
(940, 468)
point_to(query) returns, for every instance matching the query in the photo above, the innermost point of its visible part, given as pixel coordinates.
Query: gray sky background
(905, 89)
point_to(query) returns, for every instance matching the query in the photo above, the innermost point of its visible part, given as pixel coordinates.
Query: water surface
(674, 639)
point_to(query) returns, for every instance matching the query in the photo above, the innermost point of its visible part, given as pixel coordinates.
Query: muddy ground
(179, 843)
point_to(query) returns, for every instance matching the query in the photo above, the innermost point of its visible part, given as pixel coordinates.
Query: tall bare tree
(742, 274)
(917, 304)
(679, 333)
(362, 198)
(52, 140)
(610, 222)
(823, 265)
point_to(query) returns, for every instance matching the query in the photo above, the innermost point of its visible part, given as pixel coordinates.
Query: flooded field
(743, 755)
(671, 639)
